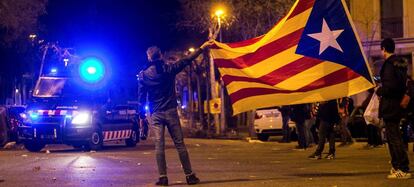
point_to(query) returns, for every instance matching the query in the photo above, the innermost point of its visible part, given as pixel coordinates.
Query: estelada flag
(313, 54)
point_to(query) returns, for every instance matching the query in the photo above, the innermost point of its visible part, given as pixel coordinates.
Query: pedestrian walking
(285, 110)
(309, 123)
(393, 87)
(298, 116)
(343, 109)
(157, 87)
(373, 131)
(407, 123)
(328, 116)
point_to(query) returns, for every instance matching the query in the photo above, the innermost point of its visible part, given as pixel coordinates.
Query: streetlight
(219, 13)
(191, 49)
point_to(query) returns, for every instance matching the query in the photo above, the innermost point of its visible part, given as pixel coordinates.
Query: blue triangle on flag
(348, 53)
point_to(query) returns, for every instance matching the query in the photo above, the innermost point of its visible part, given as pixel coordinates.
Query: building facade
(378, 19)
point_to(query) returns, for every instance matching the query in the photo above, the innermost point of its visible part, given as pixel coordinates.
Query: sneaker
(398, 174)
(315, 156)
(192, 179)
(392, 171)
(162, 181)
(330, 156)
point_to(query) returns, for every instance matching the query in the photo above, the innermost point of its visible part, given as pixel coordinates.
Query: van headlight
(82, 118)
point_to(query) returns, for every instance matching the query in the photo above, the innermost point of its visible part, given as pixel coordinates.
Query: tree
(18, 19)
(243, 19)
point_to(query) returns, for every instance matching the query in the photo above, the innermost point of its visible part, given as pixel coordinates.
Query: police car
(65, 110)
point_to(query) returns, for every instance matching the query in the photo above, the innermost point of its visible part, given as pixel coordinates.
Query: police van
(65, 108)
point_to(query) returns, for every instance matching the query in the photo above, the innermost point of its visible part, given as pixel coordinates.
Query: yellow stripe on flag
(308, 76)
(349, 88)
(264, 67)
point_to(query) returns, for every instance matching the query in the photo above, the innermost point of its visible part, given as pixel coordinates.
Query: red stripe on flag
(279, 74)
(245, 42)
(302, 6)
(337, 77)
(262, 53)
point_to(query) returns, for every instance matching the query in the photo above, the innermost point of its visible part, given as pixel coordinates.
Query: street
(216, 162)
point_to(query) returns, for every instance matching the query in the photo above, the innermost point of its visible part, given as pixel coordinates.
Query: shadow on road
(335, 174)
(112, 148)
(226, 181)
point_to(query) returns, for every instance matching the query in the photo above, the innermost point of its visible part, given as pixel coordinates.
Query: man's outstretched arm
(181, 64)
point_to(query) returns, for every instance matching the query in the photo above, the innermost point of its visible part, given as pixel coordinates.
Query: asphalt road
(216, 162)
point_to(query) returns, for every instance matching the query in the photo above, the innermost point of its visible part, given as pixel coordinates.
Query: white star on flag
(327, 37)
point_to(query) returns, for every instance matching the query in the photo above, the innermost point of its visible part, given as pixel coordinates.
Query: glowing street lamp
(219, 13)
(191, 50)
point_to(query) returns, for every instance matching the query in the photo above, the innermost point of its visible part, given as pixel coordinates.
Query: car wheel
(263, 137)
(33, 146)
(133, 139)
(96, 141)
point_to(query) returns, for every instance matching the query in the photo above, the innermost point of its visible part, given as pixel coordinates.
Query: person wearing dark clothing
(373, 131)
(299, 115)
(343, 109)
(285, 110)
(328, 116)
(408, 120)
(157, 87)
(393, 87)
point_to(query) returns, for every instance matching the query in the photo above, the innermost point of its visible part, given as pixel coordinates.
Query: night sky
(119, 30)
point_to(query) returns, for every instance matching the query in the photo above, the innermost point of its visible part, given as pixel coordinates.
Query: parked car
(268, 122)
(10, 119)
(14, 120)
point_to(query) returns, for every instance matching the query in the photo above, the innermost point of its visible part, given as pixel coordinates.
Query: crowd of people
(395, 111)
(316, 123)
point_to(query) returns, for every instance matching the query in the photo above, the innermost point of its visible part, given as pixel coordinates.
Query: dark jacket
(393, 86)
(410, 92)
(285, 110)
(156, 83)
(328, 111)
(300, 113)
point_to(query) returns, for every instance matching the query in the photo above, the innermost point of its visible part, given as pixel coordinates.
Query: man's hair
(388, 44)
(154, 53)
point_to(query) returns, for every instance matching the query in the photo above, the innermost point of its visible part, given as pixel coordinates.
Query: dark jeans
(285, 129)
(300, 128)
(345, 133)
(169, 119)
(326, 131)
(374, 136)
(399, 158)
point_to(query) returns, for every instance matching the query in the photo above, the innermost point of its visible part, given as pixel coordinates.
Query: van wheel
(96, 141)
(263, 137)
(33, 146)
(133, 139)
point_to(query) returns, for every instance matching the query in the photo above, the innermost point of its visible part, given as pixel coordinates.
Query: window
(391, 19)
